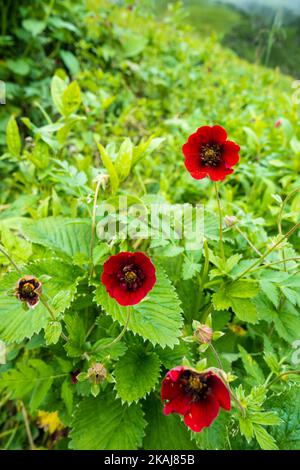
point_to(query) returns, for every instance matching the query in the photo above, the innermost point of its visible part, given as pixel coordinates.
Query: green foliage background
(103, 88)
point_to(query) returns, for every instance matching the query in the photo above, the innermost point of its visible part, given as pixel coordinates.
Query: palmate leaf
(103, 423)
(165, 432)
(33, 378)
(136, 374)
(69, 237)
(157, 318)
(287, 435)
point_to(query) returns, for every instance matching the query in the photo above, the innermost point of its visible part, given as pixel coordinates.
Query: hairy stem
(119, 337)
(220, 221)
(257, 262)
(233, 396)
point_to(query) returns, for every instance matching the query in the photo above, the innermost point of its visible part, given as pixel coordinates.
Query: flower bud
(204, 334)
(230, 220)
(97, 373)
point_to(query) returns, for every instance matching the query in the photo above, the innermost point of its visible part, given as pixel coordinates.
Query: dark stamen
(210, 155)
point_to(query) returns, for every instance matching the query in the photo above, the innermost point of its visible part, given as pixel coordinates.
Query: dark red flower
(197, 396)
(128, 277)
(29, 289)
(208, 153)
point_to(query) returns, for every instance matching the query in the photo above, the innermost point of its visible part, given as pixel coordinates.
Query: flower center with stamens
(28, 289)
(210, 155)
(195, 385)
(131, 277)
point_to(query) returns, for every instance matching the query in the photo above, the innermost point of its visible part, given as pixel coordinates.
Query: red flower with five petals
(128, 277)
(197, 396)
(208, 153)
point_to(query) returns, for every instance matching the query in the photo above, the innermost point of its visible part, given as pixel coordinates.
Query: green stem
(27, 427)
(257, 262)
(206, 263)
(94, 225)
(237, 401)
(220, 221)
(4, 252)
(275, 262)
(283, 374)
(248, 241)
(119, 337)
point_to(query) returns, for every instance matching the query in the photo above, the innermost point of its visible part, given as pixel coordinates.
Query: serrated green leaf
(34, 377)
(67, 395)
(242, 289)
(216, 436)
(13, 139)
(103, 423)
(221, 301)
(244, 309)
(251, 366)
(136, 374)
(267, 418)
(265, 440)
(52, 332)
(190, 269)
(157, 318)
(287, 434)
(69, 237)
(271, 291)
(165, 432)
(246, 427)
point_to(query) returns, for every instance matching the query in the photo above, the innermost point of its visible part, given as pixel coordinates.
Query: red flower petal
(180, 404)
(175, 373)
(169, 389)
(202, 414)
(219, 173)
(218, 134)
(231, 153)
(205, 134)
(220, 391)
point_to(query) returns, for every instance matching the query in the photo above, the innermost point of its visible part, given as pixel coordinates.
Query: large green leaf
(103, 423)
(70, 237)
(157, 318)
(136, 374)
(33, 378)
(287, 435)
(165, 432)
